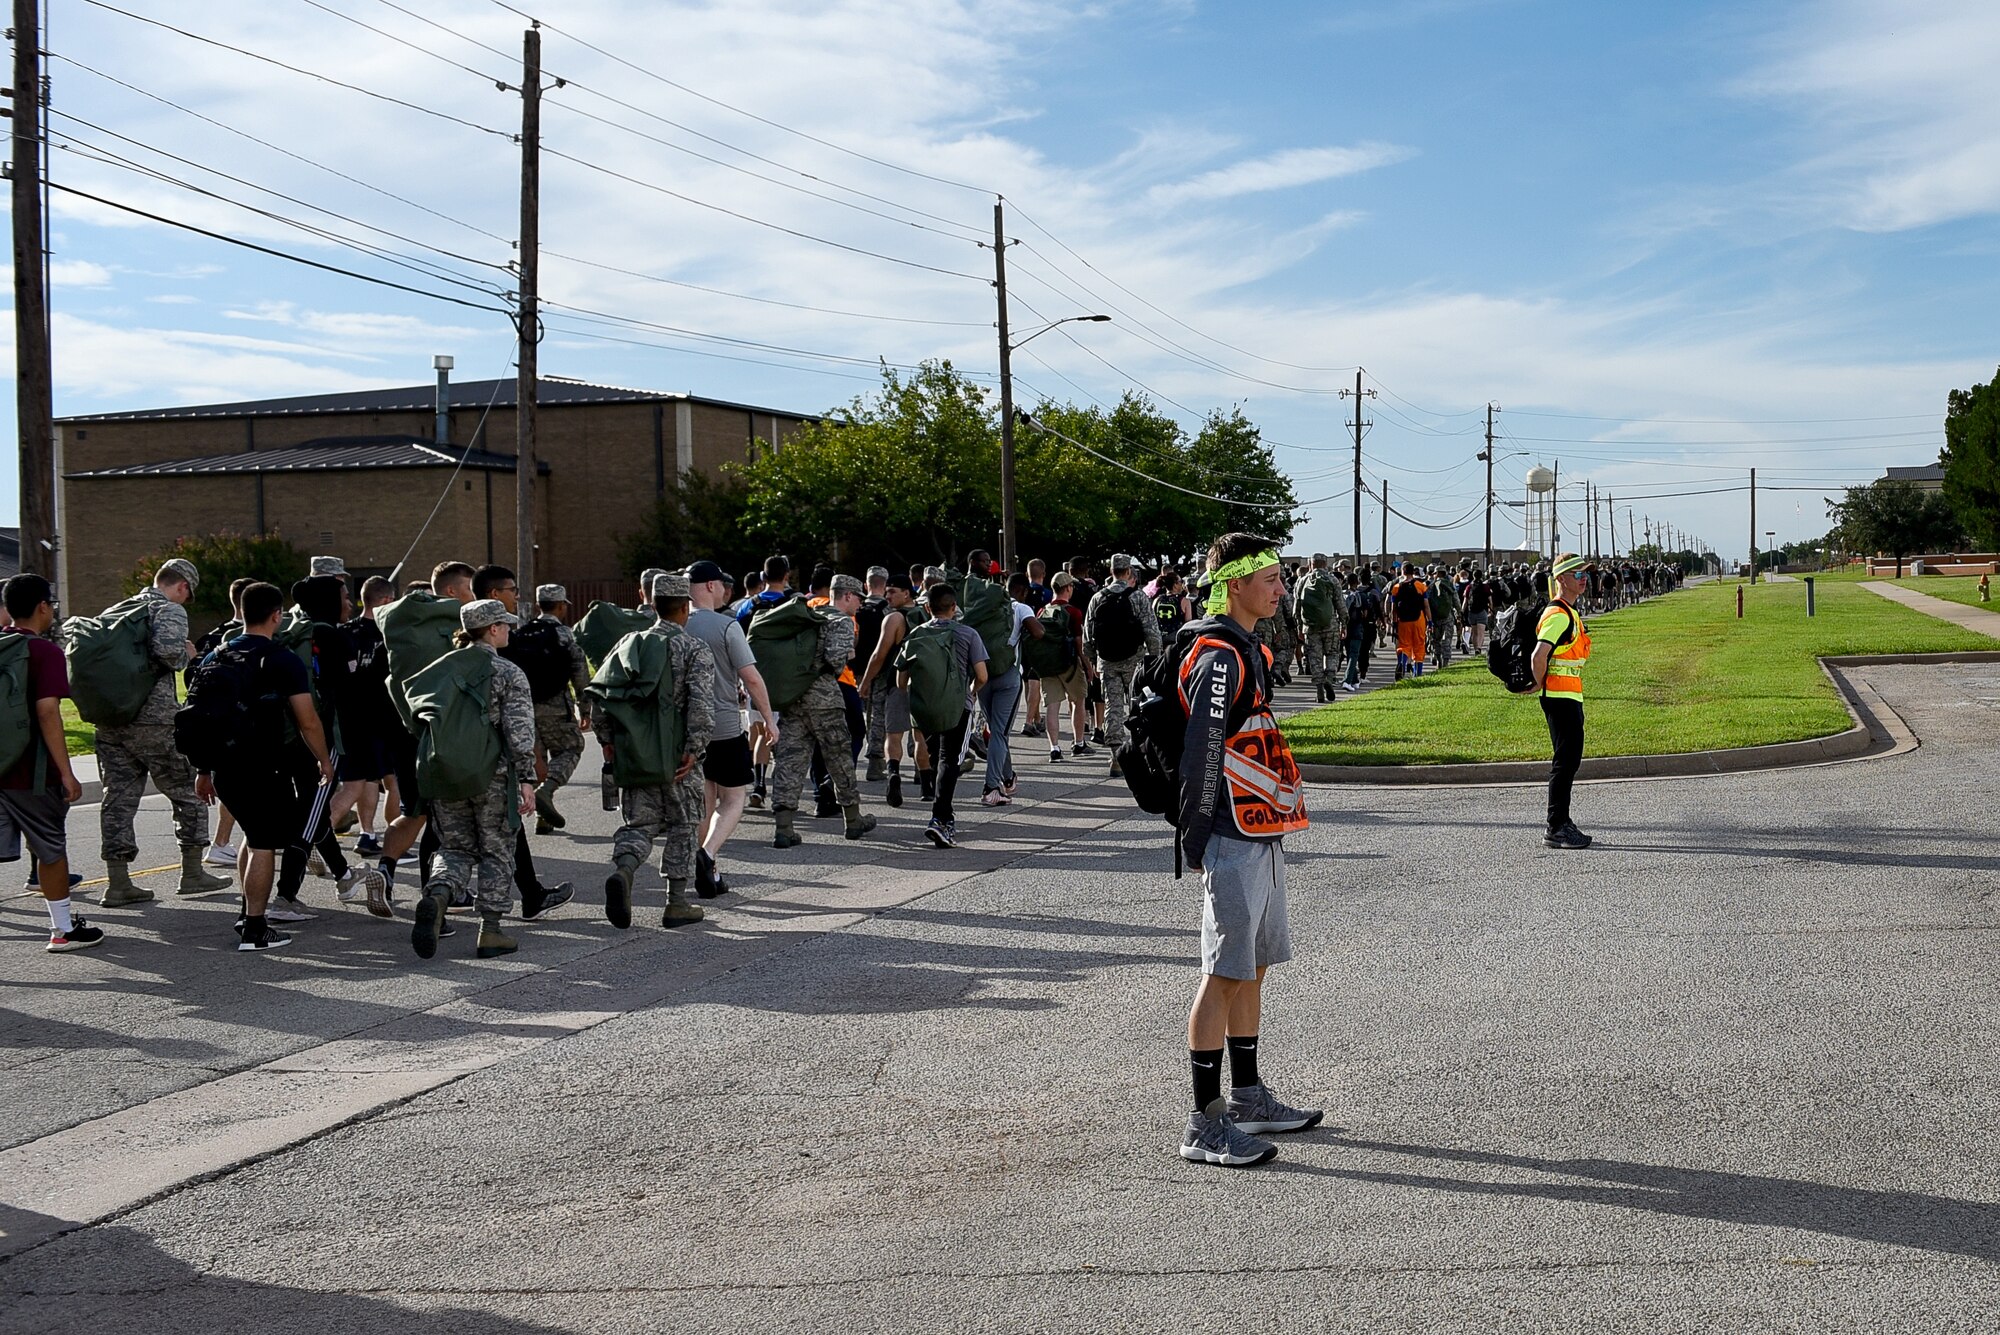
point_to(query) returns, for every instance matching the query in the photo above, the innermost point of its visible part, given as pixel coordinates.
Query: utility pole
(1359, 426)
(1753, 526)
(34, 400)
(1487, 455)
(1006, 390)
(1385, 523)
(1611, 518)
(527, 313)
(1555, 512)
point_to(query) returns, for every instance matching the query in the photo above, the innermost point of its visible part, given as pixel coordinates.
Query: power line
(762, 120)
(265, 143)
(1161, 482)
(764, 301)
(585, 312)
(1460, 522)
(300, 70)
(403, 41)
(749, 218)
(573, 332)
(1912, 436)
(268, 250)
(1721, 421)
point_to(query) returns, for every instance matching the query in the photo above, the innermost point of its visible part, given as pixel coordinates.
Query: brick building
(358, 475)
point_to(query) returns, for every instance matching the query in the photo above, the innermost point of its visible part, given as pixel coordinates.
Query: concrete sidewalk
(1971, 618)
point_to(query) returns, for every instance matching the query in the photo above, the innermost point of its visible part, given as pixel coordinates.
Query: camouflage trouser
(476, 843)
(1118, 678)
(671, 814)
(1323, 655)
(556, 733)
(820, 717)
(125, 756)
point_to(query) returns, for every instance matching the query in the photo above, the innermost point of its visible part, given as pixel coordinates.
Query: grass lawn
(1679, 673)
(81, 736)
(1953, 588)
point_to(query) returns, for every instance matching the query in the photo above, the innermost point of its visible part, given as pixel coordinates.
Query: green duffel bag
(603, 625)
(111, 668)
(632, 704)
(417, 630)
(784, 637)
(458, 748)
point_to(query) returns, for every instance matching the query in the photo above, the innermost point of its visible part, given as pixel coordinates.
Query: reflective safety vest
(1566, 659)
(1266, 795)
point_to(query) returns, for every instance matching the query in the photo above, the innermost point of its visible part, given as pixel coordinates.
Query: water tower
(1538, 508)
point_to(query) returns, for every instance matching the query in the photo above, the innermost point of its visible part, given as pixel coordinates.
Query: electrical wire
(718, 102)
(611, 317)
(268, 250)
(457, 468)
(764, 301)
(300, 70)
(1723, 421)
(265, 143)
(749, 218)
(1460, 522)
(553, 326)
(1691, 444)
(403, 41)
(1161, 482)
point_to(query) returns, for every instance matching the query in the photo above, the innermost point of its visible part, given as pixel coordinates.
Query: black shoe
(618, 899)
(1571, 827)
(1566, 837)
(269, 939)
(706, 884)
(546, 900)
(1097, 736)
(424, 931)
(894, 797)
(826, 806)
(75, 879)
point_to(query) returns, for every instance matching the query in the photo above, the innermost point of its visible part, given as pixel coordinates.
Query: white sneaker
(995, 798)
(359, 881)
(281, 909)
(220, 855)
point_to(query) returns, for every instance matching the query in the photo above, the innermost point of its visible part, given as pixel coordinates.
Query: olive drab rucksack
(17, 713)
(1052, 654)
(458, 748)
(784, 637)
(1320, 603)
(417, 630)
(632, 700)
(939, 688)
(989, 609)
(603, 625)
(111, 668)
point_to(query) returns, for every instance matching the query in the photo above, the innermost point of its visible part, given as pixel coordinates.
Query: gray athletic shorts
(1244, 926)
(39, 817)
(896, 712)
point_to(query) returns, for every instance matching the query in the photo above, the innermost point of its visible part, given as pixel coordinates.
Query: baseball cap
(704, 572)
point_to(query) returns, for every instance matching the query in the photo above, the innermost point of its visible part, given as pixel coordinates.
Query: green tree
(1971, 460)
(1896, 518)
(222, 559)
(702, 517)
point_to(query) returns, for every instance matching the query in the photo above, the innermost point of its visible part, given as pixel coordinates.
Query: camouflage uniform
(476, 838)
(555, 717)
(1119, 675)
(128, 752)
(1323, 647)
(819, 716)
(673, 813)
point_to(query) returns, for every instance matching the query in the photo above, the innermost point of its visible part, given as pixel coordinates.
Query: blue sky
(1672, 242)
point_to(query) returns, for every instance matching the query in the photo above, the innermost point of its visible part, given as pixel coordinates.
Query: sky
(1670, 242)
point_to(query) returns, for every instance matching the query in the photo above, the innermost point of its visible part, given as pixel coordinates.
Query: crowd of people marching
(443, 720)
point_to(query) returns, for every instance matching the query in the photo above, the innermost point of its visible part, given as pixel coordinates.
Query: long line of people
(441, 720)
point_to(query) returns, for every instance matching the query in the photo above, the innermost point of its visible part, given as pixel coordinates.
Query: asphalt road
(1729, 1070)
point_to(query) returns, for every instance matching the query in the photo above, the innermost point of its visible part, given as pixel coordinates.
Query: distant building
(360, 475)
(1928, 477)
(10, 552)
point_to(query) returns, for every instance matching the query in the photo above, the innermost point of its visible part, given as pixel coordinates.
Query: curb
(1875, 731)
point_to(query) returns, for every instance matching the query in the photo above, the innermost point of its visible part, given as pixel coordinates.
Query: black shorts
(727, 763)
(364, 755)
(265, 802)
(402, 750)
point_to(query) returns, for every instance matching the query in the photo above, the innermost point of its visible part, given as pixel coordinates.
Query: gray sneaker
(1256, 1109)
(1212, 1138)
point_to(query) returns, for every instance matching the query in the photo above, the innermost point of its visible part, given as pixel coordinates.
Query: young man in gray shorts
(1240, 796)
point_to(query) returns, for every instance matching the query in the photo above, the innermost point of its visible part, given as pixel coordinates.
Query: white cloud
(1278, 171)
(174, 299)
(78, 273)
(1901, 106)
(117, 363)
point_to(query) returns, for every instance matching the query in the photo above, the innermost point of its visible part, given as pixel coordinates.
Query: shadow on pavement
(1898, 1218)
(114, 1277)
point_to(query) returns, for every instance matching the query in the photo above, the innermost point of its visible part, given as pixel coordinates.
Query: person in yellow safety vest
(1561, 649)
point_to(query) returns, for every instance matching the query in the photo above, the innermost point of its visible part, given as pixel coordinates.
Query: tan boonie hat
(327, 565)
(846, 584)
(180, 568)
(550, 594)
(486, 612)
(671, 584)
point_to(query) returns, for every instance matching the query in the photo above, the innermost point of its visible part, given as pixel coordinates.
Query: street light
(1770, 545)
(1007, 421)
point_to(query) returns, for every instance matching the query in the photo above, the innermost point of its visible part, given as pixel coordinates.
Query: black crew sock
(1207, 1069)
(895, 767)
(254, 927)
(1242, 1061)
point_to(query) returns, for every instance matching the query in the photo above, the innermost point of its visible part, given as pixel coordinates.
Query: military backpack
(603, 625)
(785, 639)
(632, 701)
(111, 668)
(17, 714)
(938, 684)
(458, 748)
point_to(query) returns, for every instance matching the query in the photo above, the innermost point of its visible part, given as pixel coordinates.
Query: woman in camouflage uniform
(476, 837)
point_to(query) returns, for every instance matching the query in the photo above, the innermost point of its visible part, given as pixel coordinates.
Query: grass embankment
(1952, 588)
(1679, 673)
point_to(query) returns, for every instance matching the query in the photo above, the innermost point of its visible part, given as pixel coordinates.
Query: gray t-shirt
(726, 641)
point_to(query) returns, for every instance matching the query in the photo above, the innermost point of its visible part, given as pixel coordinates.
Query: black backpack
(1409, 603)
(536, 648)
(868, 629)
(1113, 623)
(233, 717)
(1510, 654)
(1156, 728)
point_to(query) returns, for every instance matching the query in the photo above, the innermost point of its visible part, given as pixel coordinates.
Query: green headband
(1218, 587)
